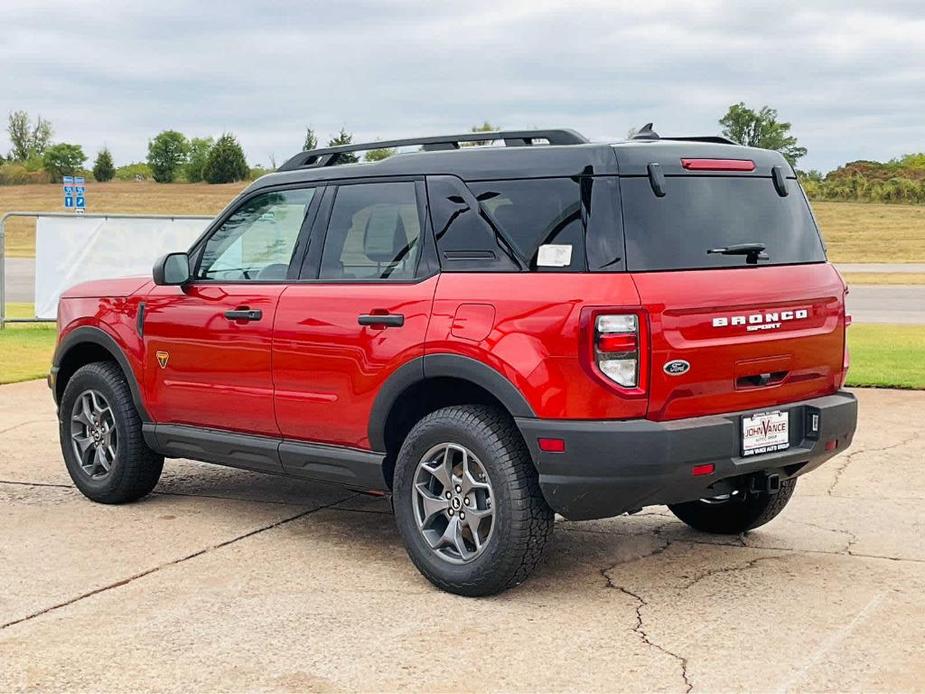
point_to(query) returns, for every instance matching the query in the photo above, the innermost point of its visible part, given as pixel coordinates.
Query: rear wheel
(734, 513)
(468, 503)
(101, 439)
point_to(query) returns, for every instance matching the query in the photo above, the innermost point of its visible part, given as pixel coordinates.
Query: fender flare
(101, 338)
(442, 365)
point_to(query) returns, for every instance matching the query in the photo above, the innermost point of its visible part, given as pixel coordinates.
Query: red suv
(490, 335)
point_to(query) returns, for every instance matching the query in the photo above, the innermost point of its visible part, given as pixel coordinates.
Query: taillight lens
(617, 347)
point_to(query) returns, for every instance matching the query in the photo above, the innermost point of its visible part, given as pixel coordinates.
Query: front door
(207, 344)
(359, 313)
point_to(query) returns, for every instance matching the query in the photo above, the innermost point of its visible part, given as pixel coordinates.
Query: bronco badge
(676, 367)
(162, 358)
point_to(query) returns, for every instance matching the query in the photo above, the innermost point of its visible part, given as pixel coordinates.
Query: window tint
(534, 214)
(491, 225)
(703, 212)
(465, 239)
(374, 233)
(257, 240)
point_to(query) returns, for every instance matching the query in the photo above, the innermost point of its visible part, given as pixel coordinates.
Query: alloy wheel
(93, 434)
(453, 503)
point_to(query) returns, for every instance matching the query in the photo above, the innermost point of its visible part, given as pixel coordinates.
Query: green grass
(887, 356)
(25, 349)
(883, 356)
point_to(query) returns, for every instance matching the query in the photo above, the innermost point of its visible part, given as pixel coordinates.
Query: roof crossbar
(329, 156)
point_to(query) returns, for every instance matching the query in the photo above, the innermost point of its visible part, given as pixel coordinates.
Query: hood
(120, 287)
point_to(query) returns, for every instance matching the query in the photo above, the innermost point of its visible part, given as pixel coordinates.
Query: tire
(133, 468)
(516, 522)
(743, 512)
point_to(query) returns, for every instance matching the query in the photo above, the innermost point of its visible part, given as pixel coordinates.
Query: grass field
(884, 277)
(858, 232)
(854, 232)
(25, 349)
(885, 356)
(115, 196)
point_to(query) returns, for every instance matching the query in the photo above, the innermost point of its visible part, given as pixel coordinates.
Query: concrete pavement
(226, 580)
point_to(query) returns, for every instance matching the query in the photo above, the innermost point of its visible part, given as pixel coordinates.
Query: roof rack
(647, 133)
(329, 156)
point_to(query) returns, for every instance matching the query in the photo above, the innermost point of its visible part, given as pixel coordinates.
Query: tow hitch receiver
(764, 483)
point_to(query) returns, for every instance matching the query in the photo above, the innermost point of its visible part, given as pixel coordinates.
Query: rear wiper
(753, 252)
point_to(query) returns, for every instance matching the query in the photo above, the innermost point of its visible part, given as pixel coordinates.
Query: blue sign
(74, 193)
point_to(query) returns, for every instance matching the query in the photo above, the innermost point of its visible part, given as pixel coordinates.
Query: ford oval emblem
(677, 367)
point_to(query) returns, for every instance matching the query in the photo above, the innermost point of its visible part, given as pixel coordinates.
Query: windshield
(703, 213)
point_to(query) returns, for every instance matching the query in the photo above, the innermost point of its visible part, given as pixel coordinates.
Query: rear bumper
(610, 467)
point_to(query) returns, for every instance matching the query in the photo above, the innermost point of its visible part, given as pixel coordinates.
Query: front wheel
(734, 513)
(468, 503)
(101, 438)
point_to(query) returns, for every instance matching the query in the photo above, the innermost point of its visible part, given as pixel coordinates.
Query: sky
(849, 76)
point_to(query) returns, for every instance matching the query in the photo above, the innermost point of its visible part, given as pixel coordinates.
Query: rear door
(732, 331)
(207, 344)
(358, 313)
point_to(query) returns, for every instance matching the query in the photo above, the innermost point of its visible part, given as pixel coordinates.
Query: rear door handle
(393, 320)
(246, 314)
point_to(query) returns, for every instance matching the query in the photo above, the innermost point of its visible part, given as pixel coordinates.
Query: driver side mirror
(172, 270)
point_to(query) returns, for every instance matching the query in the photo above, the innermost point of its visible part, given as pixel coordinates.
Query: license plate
(765, 432)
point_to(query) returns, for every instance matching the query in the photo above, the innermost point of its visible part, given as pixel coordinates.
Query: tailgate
(753, 337)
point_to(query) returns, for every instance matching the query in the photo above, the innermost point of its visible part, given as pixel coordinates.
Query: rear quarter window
(502, 226)
(699, 213)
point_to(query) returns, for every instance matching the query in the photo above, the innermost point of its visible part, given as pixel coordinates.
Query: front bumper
(611, 467)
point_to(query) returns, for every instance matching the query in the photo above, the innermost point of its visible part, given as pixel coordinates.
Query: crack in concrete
(71, 487)
(849, 458)
(173, 562)
(852, 538)
(751, 564)
(639, 629)
(22, 424)
(54, 485)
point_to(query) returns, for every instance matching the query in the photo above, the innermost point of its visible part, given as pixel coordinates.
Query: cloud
(850, 76)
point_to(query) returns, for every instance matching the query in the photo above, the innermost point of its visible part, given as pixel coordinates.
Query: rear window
(699, 213)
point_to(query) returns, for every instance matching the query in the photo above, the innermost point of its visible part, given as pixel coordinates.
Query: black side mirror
(172, 270)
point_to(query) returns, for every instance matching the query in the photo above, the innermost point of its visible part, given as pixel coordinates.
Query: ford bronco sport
(489, 335)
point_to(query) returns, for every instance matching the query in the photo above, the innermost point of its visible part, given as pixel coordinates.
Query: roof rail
(647, 133)
(329, 156)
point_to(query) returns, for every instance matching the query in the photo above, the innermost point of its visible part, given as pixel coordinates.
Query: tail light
(618, 349)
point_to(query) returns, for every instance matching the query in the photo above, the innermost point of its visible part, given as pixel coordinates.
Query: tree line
(172, 156)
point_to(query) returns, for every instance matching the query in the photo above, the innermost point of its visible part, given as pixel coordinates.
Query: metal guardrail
(69, 215)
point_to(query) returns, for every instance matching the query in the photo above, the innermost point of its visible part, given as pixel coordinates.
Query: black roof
(626, 158)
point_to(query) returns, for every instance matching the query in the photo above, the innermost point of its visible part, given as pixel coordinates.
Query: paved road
(887, 304)
(20, 279)
(867, 303)
(226, 580)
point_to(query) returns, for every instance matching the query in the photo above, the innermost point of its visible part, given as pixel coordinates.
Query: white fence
(70, 249)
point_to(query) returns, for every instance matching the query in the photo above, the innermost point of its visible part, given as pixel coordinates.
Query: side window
(541, 217)
(374, 233)
(466, 240)
(256, 242)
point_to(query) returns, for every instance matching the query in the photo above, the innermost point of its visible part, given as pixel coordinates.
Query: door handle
(246, 314)
(393, 320)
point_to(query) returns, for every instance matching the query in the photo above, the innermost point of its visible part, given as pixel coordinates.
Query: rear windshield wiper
(753, 252)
